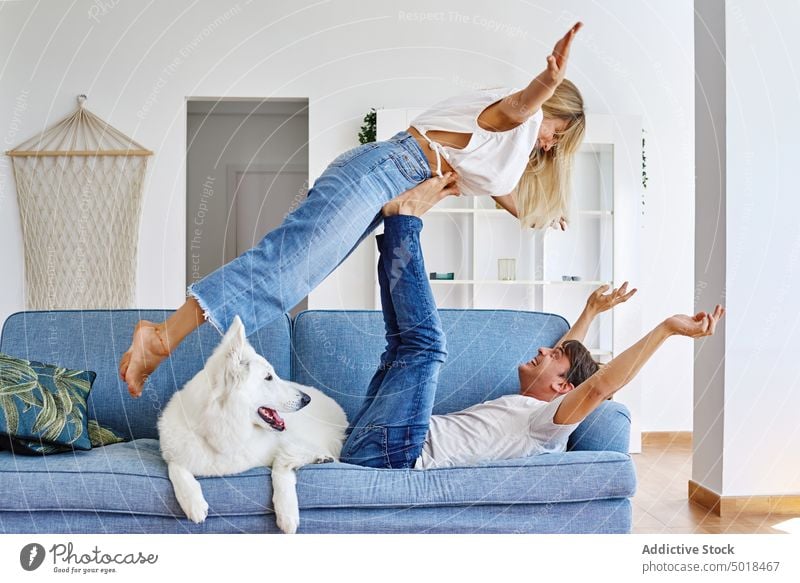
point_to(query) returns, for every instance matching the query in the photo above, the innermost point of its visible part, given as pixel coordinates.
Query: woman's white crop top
(492, 163)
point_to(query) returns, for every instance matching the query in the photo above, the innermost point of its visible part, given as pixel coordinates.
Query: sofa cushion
(96, 339)
(132, 478)
(43, 406)
(595, 517)
(338, 352)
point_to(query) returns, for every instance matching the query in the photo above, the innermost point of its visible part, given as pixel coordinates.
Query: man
(559, 388)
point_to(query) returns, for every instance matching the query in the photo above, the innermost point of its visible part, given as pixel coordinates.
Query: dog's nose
(305, 400)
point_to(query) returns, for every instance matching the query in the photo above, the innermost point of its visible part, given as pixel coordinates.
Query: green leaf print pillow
(99, 435)
(44, 403)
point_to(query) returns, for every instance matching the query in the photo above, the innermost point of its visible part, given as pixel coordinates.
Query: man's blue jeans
(341, 209)
(390, 429)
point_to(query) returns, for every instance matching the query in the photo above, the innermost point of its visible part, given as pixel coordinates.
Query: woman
(495, 142)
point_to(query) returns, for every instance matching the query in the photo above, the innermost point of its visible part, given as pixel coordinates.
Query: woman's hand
(697, 326)
(600, 302)
(557, 61)
(520, 106)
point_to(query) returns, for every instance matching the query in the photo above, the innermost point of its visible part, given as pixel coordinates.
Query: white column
(747, 377)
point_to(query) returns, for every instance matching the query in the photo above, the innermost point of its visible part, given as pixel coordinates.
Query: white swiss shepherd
(236, 414)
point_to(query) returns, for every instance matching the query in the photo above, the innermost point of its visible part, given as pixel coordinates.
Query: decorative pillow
(103, 435)
(44, 404)
(99, 435)
(20, 447)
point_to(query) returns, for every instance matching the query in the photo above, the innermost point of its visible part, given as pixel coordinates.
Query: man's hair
(581, 363)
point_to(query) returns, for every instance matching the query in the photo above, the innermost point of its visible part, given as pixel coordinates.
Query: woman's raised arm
(507, 202)
(518, 107)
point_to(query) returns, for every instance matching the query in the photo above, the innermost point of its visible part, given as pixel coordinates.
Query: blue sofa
(124, 488)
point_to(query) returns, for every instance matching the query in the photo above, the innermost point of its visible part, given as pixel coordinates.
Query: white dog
(236, 414)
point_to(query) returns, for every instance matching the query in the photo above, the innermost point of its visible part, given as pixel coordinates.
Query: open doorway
(246, 168)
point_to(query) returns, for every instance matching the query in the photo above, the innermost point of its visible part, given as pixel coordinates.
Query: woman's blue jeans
(341, 209)
(390, 429)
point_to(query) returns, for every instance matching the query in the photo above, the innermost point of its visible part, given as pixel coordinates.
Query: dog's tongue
(271, 416)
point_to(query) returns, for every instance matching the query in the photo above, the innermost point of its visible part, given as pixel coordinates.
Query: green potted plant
(368, 130)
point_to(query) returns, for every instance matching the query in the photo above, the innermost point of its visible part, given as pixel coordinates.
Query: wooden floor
(663, 470)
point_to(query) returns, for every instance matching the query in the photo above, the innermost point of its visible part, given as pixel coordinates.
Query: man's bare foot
(147, 351)
(422, 197)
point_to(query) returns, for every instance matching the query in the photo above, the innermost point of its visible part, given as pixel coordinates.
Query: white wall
(746, 397)
(762, 399)
(139, 63)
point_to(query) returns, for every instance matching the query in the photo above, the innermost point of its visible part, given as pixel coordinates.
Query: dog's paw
(288, 522)
(324, 459)
(196, 510)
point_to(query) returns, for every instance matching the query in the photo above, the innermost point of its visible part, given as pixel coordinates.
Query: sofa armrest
(607, 428)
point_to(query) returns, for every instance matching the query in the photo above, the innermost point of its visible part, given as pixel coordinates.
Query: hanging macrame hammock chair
(79, 186)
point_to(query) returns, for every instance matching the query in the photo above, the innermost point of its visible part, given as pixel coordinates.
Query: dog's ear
(235, 363)
(235, 336)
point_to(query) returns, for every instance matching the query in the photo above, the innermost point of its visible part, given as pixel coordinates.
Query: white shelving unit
(467, 236)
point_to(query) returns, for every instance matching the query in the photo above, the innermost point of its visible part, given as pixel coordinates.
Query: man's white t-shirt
(512, 426)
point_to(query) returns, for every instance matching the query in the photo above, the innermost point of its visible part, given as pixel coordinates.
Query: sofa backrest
(96, 339)
(338, 352)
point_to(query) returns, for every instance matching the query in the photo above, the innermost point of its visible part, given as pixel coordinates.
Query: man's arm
(516, 108)
(584, 399)
(597, 303)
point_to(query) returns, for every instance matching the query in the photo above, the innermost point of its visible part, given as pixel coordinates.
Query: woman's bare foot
(422, 197)
(152, 343)
(147, 351)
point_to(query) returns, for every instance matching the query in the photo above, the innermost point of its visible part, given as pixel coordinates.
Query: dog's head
(243, 380)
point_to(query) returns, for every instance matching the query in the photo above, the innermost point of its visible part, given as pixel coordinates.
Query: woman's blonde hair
(543, 192)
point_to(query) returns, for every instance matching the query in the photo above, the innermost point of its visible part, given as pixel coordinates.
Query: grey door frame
(233, 171)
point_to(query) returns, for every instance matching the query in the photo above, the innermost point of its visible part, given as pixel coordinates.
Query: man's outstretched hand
(600, 301)
(697, 326)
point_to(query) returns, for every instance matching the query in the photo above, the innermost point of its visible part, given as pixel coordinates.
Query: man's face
(544, 377)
